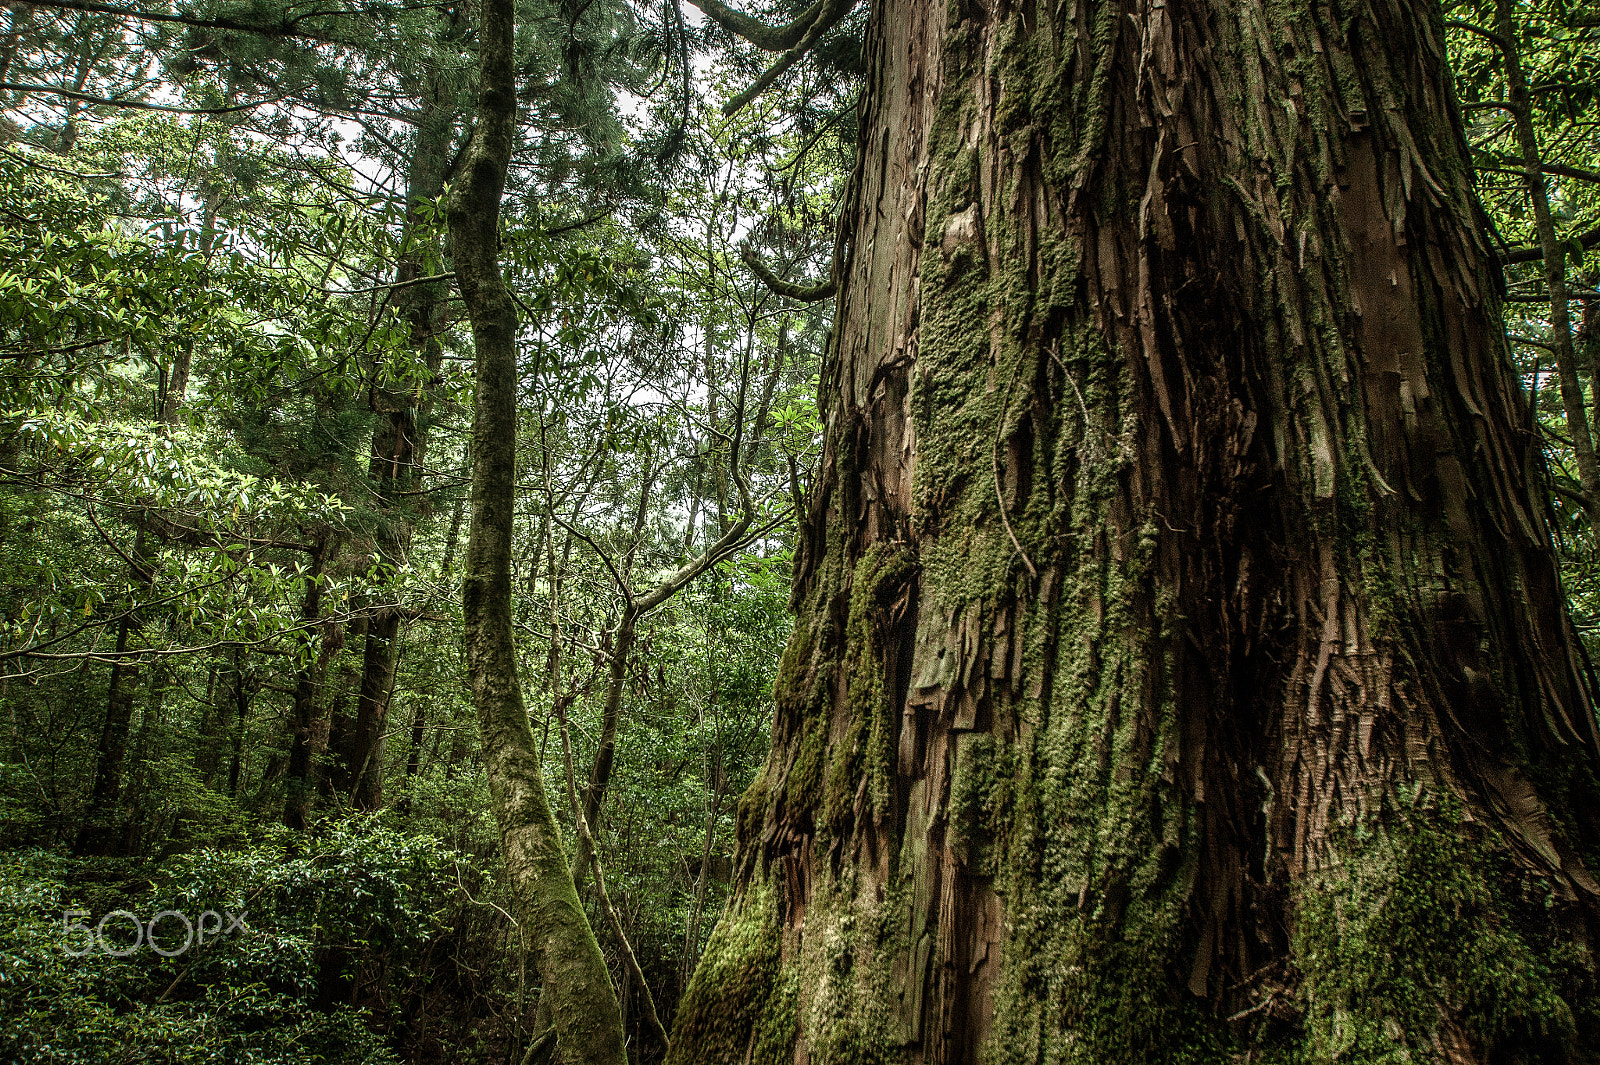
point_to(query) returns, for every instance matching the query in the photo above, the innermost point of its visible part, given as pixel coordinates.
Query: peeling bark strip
(576, 984)
(1180, 671)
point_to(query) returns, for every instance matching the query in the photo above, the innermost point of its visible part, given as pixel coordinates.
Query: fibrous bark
(1181, 671)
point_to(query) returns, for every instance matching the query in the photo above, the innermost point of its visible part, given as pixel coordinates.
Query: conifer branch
(828, 16)
(287, 28)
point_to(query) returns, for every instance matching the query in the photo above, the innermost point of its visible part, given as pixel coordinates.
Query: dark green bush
(330, 928)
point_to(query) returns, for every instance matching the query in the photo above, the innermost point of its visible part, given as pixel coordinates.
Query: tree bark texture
(576, 984)
(1181, 672)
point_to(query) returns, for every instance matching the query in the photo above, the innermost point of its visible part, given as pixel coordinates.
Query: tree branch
(83, 97)
(828, 17)
(1557, 169)
(1488, 35)
(56, 169)
(285, 28)
(804, 293)
(1532, 255)
(767, 38)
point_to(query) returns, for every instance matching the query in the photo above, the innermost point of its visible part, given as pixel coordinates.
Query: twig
(138, 105)
(1257, 1008)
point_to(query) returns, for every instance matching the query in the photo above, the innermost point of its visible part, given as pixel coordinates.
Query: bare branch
(138, 105)
(767, 38)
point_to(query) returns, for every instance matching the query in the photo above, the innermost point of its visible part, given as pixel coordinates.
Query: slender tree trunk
(577, 986)
(452, 537)
(309, 727)
(140, 824)
(213, 728)
(335, 774)
(1579, 426)
(637, 606)
(691, 944)
(1181, 672)
(241, 709)
(100, 831)
(67, 137)
(98, 835)
(622, 640)
(419, 725)
(364, 760)
(399, 444)
(175, 384)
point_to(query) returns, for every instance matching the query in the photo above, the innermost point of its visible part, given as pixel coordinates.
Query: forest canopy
(425, 426)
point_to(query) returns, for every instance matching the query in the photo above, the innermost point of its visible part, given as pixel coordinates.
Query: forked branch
(828, 16)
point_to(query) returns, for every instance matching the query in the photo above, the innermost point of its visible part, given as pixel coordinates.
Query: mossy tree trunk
(576, 984)
(1181, 672)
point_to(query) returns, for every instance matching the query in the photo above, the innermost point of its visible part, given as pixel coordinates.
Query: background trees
(236, 391)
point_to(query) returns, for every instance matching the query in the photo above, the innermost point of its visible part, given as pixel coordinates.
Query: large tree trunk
(1181, 669)
(576, 984)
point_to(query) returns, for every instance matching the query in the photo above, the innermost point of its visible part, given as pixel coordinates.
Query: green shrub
(355, 900)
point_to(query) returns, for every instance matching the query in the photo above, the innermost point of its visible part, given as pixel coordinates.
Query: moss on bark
(1425, 919)
(740, 1006)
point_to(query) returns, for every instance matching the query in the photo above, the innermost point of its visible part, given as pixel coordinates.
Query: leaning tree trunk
(576, 984)
(1181, 670)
